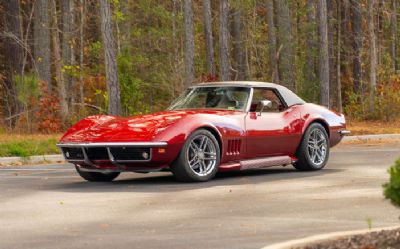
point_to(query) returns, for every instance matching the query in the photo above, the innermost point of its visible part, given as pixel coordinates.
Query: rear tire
(97, 176)
(313, 152)
(199, 158)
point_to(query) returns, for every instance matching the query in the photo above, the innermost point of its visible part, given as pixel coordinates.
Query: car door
(275, 131)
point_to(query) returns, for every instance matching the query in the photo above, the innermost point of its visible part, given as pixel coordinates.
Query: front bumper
(118, 155)
(344, 132)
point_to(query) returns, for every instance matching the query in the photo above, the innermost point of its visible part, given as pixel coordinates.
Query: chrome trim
(111, 157)
(250, 99)
(344, 132)
(114, 144)
(263, 162)
(86, 158)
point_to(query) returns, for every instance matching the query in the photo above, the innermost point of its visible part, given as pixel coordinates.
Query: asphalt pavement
(52, 207)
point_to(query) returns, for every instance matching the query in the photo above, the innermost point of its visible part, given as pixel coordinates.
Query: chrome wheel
(202, 155)
(317, 147)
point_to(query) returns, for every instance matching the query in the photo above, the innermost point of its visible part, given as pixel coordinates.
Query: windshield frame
(245, 109)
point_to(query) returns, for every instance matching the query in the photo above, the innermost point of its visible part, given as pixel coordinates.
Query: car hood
(136, 128)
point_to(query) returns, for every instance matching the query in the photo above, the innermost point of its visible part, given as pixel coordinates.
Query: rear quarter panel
(334, 121)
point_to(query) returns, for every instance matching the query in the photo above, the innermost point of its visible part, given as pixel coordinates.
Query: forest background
(62, 60)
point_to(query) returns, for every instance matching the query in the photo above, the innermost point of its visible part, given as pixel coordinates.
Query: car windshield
(226, 98)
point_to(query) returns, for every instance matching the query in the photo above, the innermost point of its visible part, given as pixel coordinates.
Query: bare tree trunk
(311, 52)
(42, 41)
(176, 56)
(357, 45)
(287, 59)
(238, 44)
(189, 43)
(332, 59)
(324, 53)
(126, 24)
(372, 55)
(380, 34)
(14, 54)
(338, 61)
(81, 48)
(62, 92)
(272, 49)
(393, 20)
(13, 29)
(224, 40)
(68, 58)
(209, 37)
(113, 88)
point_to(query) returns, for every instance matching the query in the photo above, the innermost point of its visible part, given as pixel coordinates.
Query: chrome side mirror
(264, 103)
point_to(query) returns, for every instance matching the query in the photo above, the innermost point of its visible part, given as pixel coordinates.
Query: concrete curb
(370, 138)
(32, 159)
(324, 237)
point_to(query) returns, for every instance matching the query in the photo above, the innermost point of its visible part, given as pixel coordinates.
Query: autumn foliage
(47, 114)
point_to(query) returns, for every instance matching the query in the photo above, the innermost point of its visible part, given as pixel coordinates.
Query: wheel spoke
(194, 146)
(319, 155)
(193, 161)
(203, 143)
(314, 158)
(202, 167)
(322, 153)
(317, 136)
(311, 151)
(196, 165)
(314, 135)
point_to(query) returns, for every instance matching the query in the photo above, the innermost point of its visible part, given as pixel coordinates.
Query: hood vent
(234, 147)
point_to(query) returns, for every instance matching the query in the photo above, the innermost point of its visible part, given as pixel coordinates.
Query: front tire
(313, 152)
(97, 176)
(199, 158)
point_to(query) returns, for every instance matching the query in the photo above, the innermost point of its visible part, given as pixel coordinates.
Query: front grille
(130, 153)
(123, 154)
(73, 153)
(97, 153)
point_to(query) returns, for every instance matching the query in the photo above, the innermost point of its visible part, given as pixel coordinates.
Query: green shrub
(392, 188)
(28, 147)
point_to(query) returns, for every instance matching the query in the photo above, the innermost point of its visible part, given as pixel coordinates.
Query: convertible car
(211, 127)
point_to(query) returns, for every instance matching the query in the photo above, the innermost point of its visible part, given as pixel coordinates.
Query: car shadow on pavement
(165, 182)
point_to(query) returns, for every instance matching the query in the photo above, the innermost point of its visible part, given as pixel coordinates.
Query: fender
(316, 118)
(88, 122)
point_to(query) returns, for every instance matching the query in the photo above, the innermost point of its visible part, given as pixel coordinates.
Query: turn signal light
(161, 150)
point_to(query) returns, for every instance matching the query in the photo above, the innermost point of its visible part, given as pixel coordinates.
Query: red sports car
(211, 127)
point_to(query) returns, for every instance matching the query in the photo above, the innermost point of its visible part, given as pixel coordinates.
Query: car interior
(260, 94)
